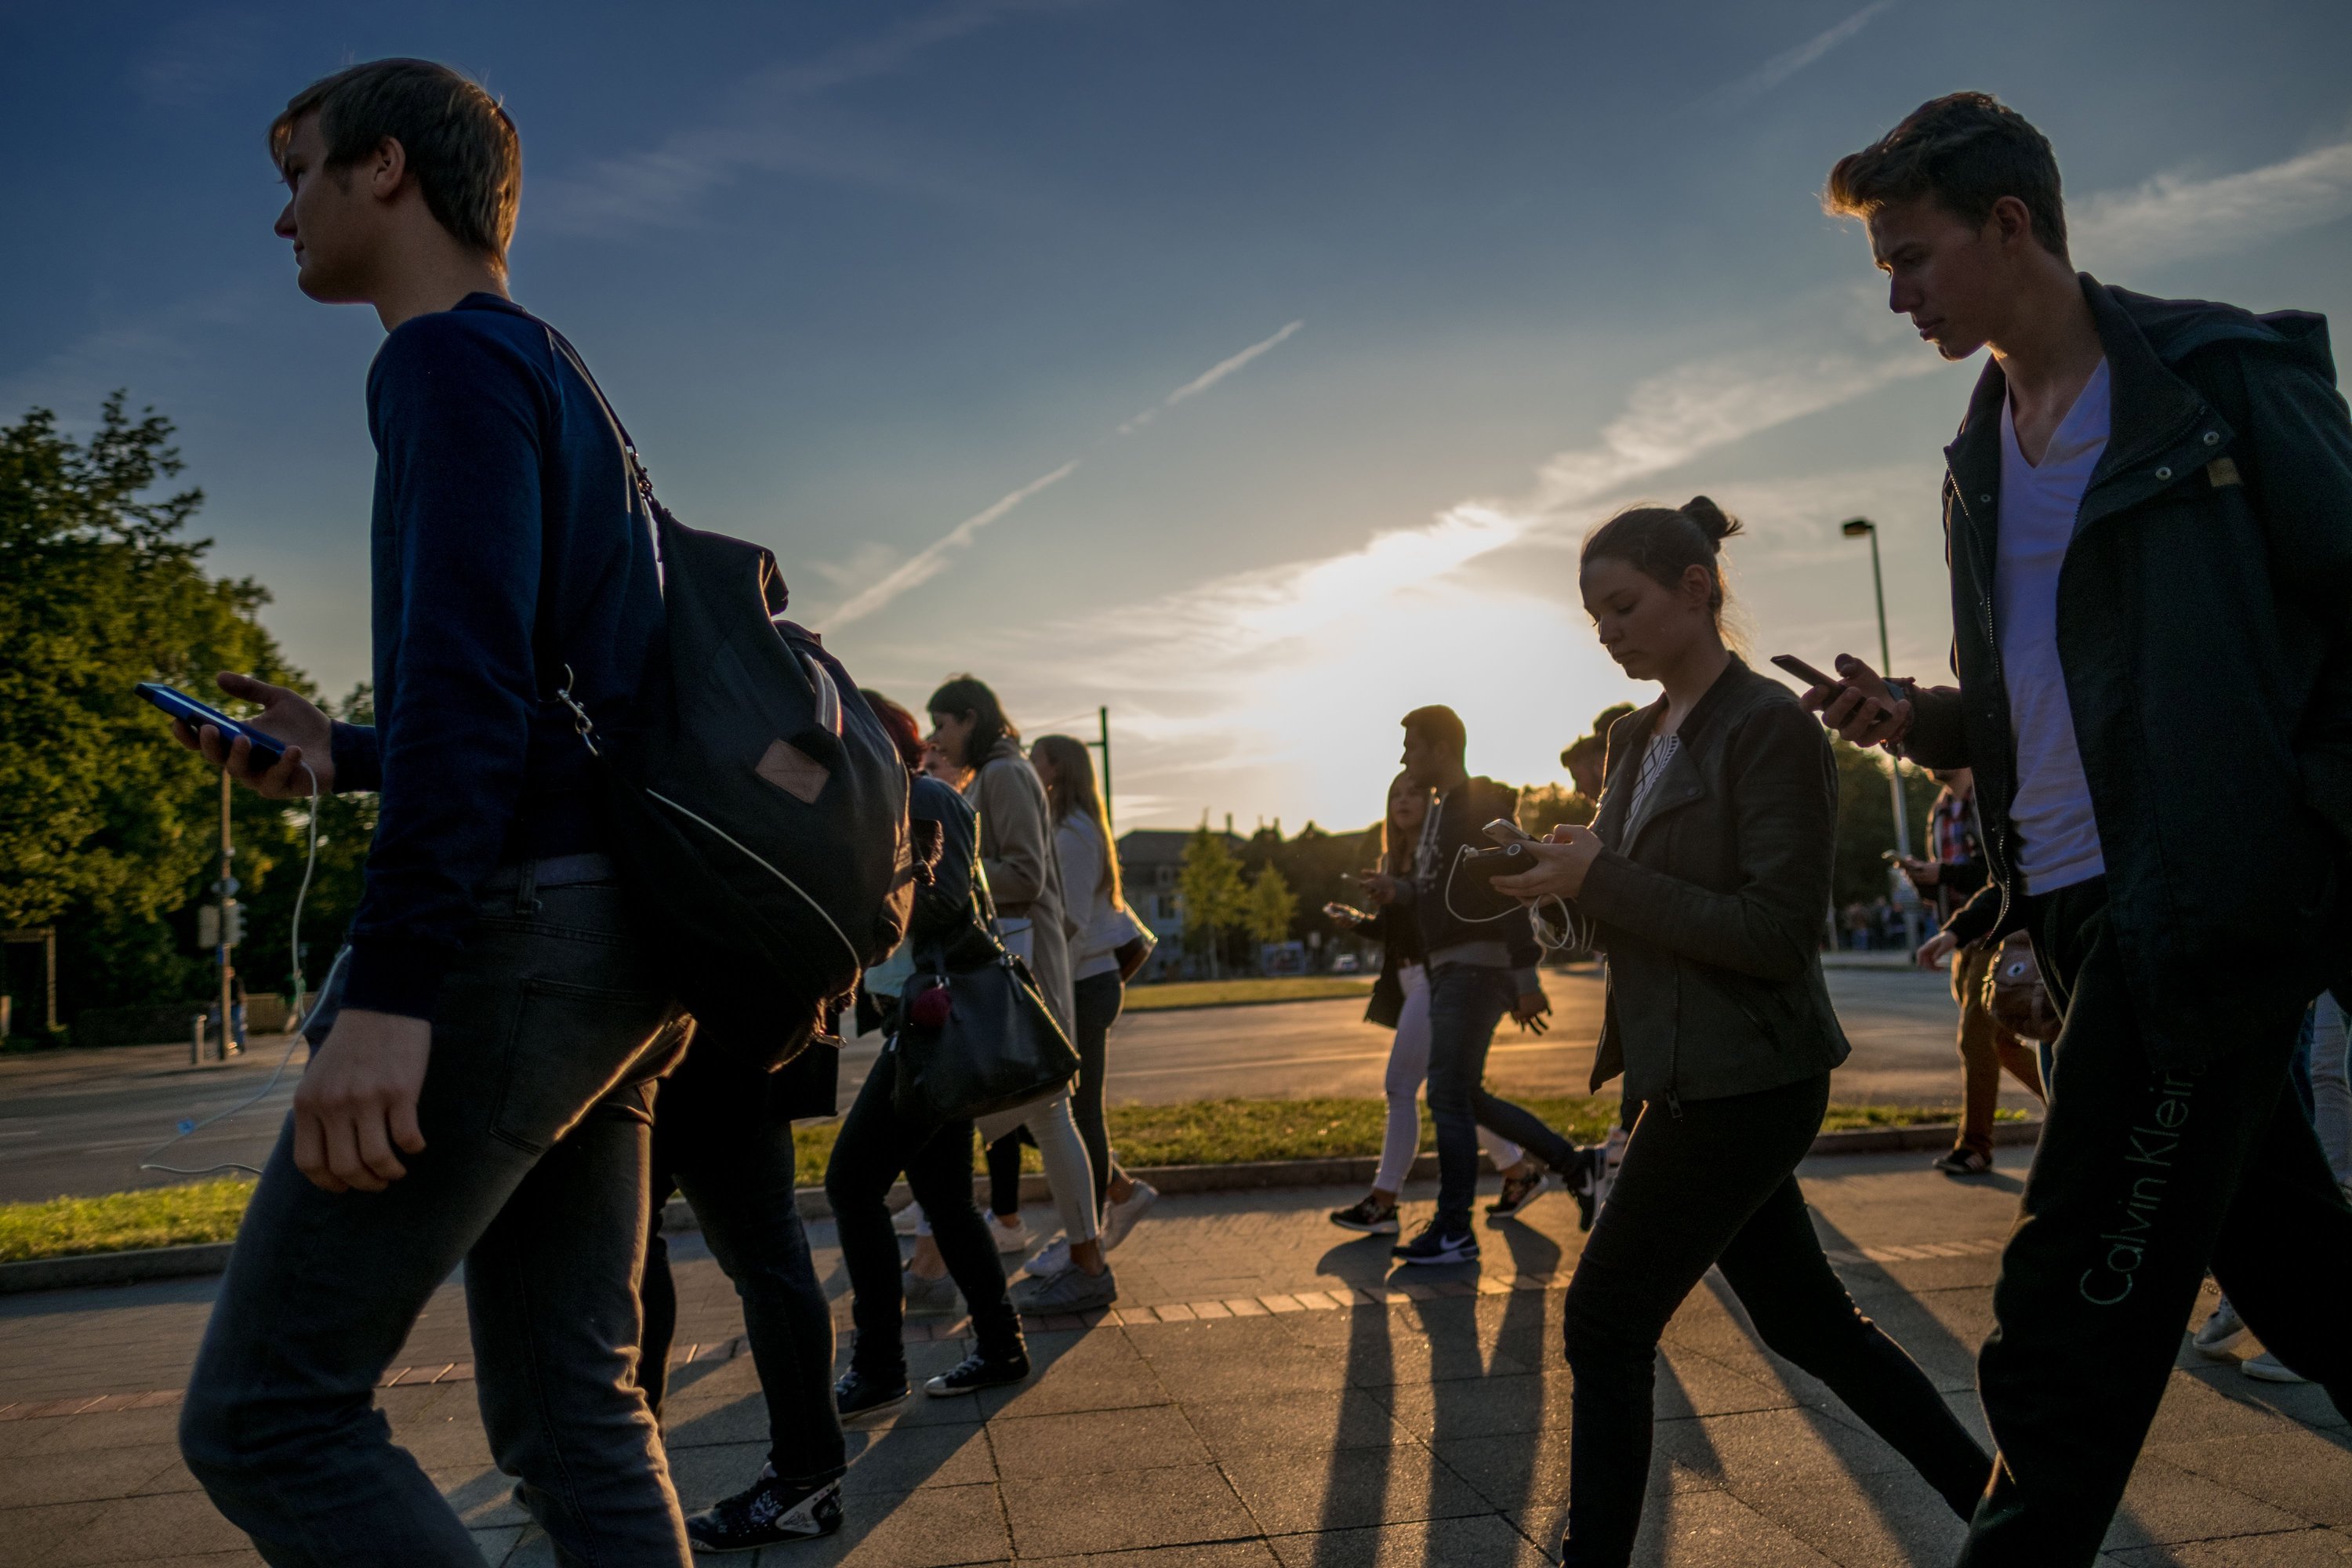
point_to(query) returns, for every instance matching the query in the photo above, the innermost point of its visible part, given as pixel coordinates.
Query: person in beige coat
(1024, 879)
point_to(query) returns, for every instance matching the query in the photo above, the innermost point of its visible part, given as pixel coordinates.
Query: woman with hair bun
(1704, 878)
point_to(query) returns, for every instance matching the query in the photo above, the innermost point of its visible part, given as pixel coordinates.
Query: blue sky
(1251, 368)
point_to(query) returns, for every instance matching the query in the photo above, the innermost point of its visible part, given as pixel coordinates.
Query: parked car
(1345, 964)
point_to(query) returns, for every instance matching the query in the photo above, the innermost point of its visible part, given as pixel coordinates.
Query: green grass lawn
(1232, 993)
(1202, 1132)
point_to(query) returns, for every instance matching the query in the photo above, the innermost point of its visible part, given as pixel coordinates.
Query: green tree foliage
(1268, 909)
(109, 830)
(1210, 884)
(1545, 806)
(1866, 828)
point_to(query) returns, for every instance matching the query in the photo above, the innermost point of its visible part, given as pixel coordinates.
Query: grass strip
(1202, 1133)
(1241, 992)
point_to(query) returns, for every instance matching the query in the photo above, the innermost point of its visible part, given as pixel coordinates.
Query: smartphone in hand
(266, 749)
(1803, 672)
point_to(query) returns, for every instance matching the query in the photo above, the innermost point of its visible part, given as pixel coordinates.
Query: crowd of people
(508, 1080)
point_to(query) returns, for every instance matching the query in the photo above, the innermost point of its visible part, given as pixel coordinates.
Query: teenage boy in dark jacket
(2148, 520)
(1479, 969)
(484, 1096)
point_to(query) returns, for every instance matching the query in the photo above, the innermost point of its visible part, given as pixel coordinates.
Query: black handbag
(975, 1041)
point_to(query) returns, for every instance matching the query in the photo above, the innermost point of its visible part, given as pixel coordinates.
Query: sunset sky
(1252, 368)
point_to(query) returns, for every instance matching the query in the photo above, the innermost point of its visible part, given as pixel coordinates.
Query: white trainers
(1119, 1218)
(2270, 1369)
(2220, 1333)
(1014, 1237)
(908, 1220)
(1052, 1259)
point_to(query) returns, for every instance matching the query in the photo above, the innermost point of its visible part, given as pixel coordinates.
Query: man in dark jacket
(1481, 956)
(2148, 521)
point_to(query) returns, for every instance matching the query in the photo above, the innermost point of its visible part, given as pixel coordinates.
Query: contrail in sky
(1788, 62)
(927, 563)
(1209, 378)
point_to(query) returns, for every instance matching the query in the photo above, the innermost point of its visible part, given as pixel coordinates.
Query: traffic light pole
(227, 889)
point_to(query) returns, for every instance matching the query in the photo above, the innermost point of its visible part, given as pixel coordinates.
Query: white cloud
(2175, 219)
(1788, 62)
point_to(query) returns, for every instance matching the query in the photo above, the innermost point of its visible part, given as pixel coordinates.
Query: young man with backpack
(1481, 967)
(484, 1095)
(2148, 516)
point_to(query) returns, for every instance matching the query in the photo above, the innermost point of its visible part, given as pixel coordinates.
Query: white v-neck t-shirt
(2058, 837)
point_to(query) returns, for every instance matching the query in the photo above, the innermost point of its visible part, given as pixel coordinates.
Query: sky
(1251, 369)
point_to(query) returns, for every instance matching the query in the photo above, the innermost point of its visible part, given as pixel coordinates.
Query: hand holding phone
(1857, 703)
(1346, 915)
(276, 752)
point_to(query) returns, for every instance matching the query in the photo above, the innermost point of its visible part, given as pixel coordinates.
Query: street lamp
(1863, 528)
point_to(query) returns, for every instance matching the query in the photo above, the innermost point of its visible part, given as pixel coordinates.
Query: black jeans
(875, 1145)
(1715, 1186)
(2143, 1179)
(1466, 1003)
(537, 1116)
(720, 1137)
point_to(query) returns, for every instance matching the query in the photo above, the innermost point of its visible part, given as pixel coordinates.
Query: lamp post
(1863, 528)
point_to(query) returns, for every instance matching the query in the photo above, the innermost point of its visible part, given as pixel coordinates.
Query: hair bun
(1713, 521)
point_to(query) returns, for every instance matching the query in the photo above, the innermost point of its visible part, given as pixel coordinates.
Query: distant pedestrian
(1089, 865)
(1704, 879)
(948, 928)
(1025, 878)
(1400, 1002)
(1947, 881)
(1482, 968)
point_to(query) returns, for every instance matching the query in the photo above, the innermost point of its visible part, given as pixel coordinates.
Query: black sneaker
(1366, 1214)
(765, 1512)
(1963, 1161)
(862, 1394)
(1432, 1247)
(1582, 1177)
(1520, 1191)
(979, 1371)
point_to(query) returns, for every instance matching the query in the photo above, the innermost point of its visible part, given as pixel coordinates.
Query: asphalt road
(81, 1121)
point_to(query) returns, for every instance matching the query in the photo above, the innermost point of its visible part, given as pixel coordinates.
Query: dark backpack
(758, 808)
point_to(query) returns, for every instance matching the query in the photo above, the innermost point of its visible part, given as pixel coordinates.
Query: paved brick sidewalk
(1268, 1394)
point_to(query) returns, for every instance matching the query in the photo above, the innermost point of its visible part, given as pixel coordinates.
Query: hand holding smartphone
(196, 715)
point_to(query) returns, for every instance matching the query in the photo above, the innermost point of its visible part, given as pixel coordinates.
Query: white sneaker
(1052, 1259)
(1014, 1237)
(1119, 1218)
(908, 1220)
(2220, 1333)
(923, 1295)
(2270, 1369)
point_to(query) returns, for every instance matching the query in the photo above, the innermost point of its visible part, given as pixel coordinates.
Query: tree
(1543, 808)
(1210, 884)
(1268, 909)
(1866, 826)
(109, 830)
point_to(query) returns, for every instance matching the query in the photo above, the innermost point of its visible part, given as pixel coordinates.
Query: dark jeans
(720, 1137)
(1466, 1003)
(537, 1116)
(2143, 1179)
(1099, 998)
(875, 1146)
(1715, 1186)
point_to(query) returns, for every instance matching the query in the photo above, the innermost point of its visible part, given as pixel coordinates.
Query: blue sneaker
(1433, 1245)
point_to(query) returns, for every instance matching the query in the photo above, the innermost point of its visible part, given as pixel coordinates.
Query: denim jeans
(721, 1138)
(1466, 1003)
(536, 1113)
(876, 1144)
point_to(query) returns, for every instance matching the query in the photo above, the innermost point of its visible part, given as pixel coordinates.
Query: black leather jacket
(1711, 910)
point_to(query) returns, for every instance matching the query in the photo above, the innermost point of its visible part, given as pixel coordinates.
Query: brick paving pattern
(1267, 1393)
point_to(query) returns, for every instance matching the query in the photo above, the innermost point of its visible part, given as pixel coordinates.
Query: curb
(1255, 1175)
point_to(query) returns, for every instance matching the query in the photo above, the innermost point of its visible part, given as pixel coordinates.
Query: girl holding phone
(1703, 877)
